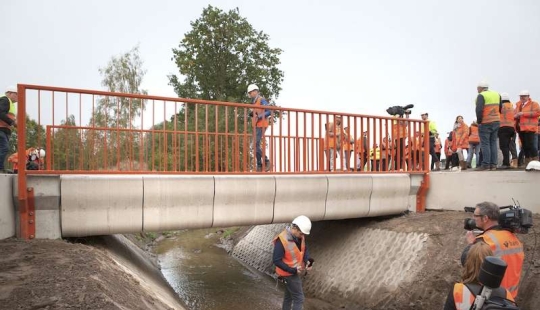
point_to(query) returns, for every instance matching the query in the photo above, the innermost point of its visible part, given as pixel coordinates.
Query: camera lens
(469, 224)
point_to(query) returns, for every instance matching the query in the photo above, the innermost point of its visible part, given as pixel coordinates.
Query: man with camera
(502, 242)
(291, 258)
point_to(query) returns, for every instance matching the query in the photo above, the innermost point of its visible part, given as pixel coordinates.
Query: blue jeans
(4, 149)
(294, 295)
(488, 142)
(258, 149)
(474, 149)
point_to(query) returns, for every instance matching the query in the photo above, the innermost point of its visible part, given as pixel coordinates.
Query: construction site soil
(55, 274)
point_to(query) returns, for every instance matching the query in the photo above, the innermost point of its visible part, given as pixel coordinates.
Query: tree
(123, 74)
(217, 60)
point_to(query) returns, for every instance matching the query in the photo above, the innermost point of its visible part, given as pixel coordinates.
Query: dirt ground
(442, 264)
(54, 274)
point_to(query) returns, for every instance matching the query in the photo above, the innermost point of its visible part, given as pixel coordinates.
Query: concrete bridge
(194, 167)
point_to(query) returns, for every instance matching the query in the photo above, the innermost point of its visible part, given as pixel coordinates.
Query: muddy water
(206, 277)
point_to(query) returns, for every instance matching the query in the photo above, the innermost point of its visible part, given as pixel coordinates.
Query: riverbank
(55, 274)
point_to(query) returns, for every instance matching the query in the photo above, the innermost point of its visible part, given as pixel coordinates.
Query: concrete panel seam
(370, 194)
(274, 200)
(326, 197)
(142, 204)
(214, 201)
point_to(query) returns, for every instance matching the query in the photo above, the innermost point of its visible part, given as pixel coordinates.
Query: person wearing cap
(526, 114)
(488, 116)
(8, 119)
(507, 131)
(260, 116)
(432, 131)
(291, 258)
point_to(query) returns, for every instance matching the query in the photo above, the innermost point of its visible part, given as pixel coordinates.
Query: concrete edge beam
(300, 195)
(348, 196)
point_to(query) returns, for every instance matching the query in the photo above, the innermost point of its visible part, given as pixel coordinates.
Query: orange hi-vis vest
(447, 147)
(293, 256)
(491, 112)
(507, 247)
(399, 129)
(334, 136)
(528, 121)
(464, 298)
(507, 115)
(438, 145)
(473, 135)
(462, 136)
(261, 122)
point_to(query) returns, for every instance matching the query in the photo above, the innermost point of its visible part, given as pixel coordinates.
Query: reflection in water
(206, 277)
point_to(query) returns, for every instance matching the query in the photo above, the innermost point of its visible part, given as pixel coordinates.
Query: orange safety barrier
(98, 132)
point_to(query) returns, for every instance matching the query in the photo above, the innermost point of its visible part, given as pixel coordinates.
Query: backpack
(497, 301)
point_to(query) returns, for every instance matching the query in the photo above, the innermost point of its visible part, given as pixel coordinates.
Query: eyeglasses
(478, 215)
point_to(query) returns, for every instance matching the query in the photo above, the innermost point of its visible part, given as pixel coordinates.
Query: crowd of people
(499, 127)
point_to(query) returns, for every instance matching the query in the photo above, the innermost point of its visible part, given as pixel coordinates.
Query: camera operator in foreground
(463, 294)
(502, 242)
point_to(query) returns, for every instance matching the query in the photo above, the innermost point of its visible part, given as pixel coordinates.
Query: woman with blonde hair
(464, 293)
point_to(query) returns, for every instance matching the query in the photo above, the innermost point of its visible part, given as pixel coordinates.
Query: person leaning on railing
(260, 123)
(8, 119)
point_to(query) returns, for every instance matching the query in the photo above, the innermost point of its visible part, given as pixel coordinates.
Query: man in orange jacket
(291, 258)
(503, 243)
(507, 131)
(526, 115)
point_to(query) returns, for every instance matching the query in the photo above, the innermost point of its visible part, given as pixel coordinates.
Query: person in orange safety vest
(507, 130)
(34, 159)
(291, 258)
(526, 114)
(461, 140)
(488, 107)
(463, 294)
(503, 243)
(8, 120)
(474, 145)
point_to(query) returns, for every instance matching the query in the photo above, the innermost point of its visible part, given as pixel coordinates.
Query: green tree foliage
(217, 59)
(123, 74)
(35, 136)
(67, 146)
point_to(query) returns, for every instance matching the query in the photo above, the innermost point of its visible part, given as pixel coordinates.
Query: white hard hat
(252, 87)
(524, 93)
(11, 89)
(533, 165)
(505, 96)
(303, 223)
(483, 84)
(41, 153)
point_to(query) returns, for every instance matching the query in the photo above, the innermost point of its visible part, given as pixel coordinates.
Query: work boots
(463, 165)
(514, 163)
(438, 166)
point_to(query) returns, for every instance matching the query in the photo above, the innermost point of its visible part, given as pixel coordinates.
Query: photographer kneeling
(502, 242)
(463, 294)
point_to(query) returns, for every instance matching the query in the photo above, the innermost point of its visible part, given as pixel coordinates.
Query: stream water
(206, 277)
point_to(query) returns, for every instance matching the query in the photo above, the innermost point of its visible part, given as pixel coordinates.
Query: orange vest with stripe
(438, 145)
(334, 136)
(399, 130)
(261, 122)
(293, 256)
(528, 122)
(491, 112)
(473, 136)
(464, 298)
(507, 115)
(507, 247)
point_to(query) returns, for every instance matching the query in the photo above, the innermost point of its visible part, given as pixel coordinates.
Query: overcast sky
(345, 56)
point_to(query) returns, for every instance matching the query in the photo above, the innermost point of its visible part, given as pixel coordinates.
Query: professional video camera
(400, 110)
(516, 219)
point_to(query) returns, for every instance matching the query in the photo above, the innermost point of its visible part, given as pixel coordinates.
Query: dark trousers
(400, 156)
(513, 149)
(4, 149)
(432, 162)
(434, 157)
(527, 143)
(378, 165)
(505, 138)
(258, 146)
(488, 142)
(294, 294)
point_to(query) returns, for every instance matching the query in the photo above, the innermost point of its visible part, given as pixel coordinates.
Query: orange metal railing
(92, 132)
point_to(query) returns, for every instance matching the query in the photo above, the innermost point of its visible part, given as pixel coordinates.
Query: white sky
(346, 56)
